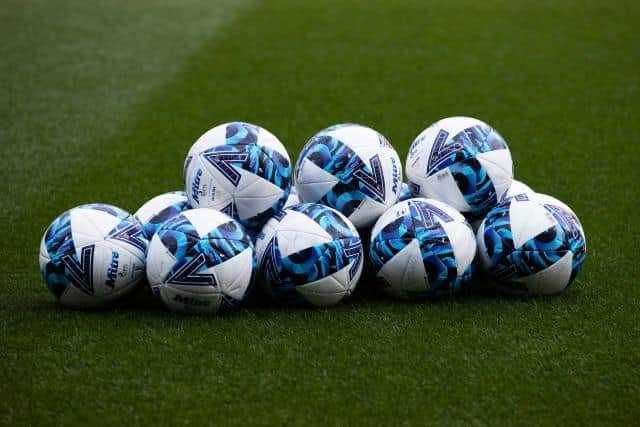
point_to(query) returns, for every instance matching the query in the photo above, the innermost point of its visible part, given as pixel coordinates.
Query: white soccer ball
(422, 248)
(463, 162)
(309, 252)
(240, 169)
(200, 261)
(351, 168)
(532, 245)
(92, 255)
(160, 209)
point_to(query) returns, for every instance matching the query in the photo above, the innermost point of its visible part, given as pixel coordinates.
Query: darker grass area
(559, 82)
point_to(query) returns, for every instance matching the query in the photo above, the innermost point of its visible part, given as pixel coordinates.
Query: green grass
(100, 102)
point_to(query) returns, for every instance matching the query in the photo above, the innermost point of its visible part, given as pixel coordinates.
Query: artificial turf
(101, 101)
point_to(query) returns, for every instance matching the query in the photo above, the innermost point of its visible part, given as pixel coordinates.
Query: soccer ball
(92, 255)
(240, 169)
(518, 187)
(422, 248)
(405, 193)
(160, 209)
(532, 245)
(463, 162)
(200, 261)
(350, 168)
(309, 252)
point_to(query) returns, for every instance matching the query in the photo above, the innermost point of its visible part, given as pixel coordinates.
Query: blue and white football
(532, 245)
(422, 248)
(351, 168)
(240, 169)
(160, 209)
(309, 253)
(463, 162)
(200, 261)
(92, 255)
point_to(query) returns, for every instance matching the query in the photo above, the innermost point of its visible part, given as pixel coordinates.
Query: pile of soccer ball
(240, 220)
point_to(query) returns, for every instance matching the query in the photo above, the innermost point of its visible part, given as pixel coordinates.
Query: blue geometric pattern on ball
(241, 152)
(405, 193)
(264, 162)
(343, 198)
(508, 264)
(436, 250)
(130, 231)
(113, 210)
(570, 224)
(152, 225)
(498, 239)
(240, 133)
(464, 145)
(475, 185)
(393, 237)
(195, 254)
(284, 274)
(356, 179)
(59, 243)
(439, 260)
(329, 220)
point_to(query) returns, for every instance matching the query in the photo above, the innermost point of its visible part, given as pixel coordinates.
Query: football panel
(212, 138)
(405, 271)
(550, 281)
(499, 167)
(268, 139)
(255, 195)
(475, 185)
(181, 300)
(518, 187)
(264, 237)
(158, 204)
(528, 218)
(390, 215)
(160, 261)
(442, 212)
(333, 222)
(291, 241)
(233, 276)
(313, 182)
(455, 125)
(463, 242)
(316, 262)
(89, 226)
(205, 220)
(356, 137)
(367, 213)
(443, 186)
(324, 292)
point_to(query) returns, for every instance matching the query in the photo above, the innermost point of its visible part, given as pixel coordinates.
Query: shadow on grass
(478, 295)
